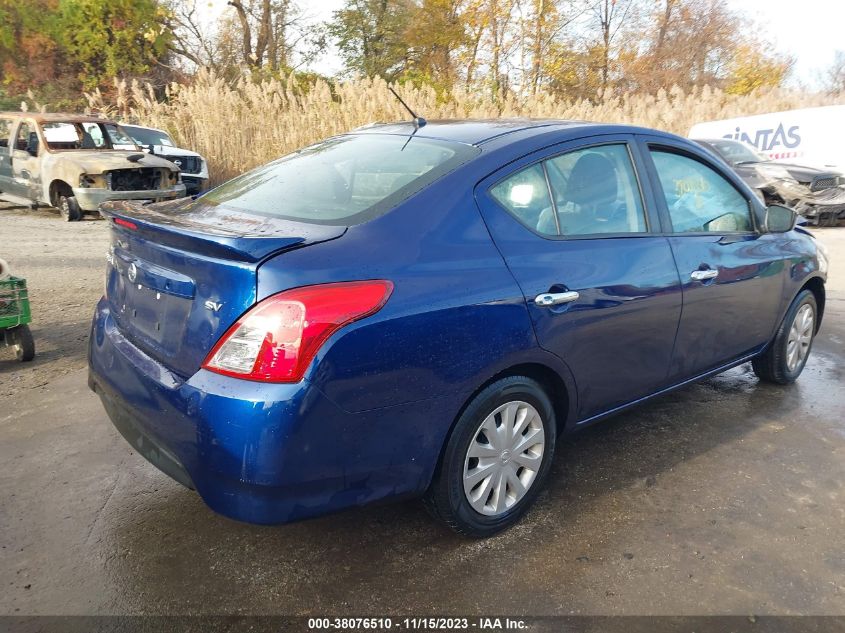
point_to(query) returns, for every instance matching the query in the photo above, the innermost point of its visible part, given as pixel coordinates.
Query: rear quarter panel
(456, 316)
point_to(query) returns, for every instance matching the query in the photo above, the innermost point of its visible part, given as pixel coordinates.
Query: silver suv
(71, 162)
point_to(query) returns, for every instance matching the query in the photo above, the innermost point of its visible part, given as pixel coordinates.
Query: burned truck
(816, 194)
(74, 163)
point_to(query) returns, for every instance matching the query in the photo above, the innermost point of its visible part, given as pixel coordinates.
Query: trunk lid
(181, 273)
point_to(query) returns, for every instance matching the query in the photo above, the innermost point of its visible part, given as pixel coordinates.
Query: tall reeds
(237, 127)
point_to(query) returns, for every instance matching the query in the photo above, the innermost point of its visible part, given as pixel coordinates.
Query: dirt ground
(725, 497)
(64, 265)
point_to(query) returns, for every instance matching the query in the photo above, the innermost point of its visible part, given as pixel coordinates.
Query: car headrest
(592, 181)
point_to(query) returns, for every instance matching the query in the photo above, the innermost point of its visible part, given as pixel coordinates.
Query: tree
(29, 55)
(751, 69)
(610, 16)
(499, 17)
(547, 23)
(475, 24)
(264, 25)
(435, 32)
(108, 38)
(835, 76)
(370, 36)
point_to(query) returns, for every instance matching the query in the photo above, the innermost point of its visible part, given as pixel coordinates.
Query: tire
(20, 338)
(520, 399)
(776, 363)
(69, 209)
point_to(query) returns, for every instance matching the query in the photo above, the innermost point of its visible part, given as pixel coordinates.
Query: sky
(808, 30)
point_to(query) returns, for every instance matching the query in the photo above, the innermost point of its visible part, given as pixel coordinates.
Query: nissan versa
(421, 310)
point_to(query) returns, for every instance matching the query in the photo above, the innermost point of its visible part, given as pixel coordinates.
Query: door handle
(703, 275)
(556, 298)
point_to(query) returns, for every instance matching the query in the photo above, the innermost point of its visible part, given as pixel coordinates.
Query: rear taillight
(126, 224)
(277, 339)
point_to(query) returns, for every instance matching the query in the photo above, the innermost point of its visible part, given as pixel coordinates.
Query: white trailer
(814, 137)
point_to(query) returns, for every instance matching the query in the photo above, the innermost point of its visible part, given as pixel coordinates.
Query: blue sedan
(421, 311)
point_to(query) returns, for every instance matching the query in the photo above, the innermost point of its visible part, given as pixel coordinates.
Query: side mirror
(780, 219)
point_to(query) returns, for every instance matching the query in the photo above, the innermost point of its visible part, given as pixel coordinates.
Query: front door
(732, 275)
(6, 146)
(25, 179)
(602, 290)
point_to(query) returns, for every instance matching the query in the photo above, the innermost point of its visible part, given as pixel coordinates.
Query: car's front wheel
(496, 458)
(69, 209)
(783, 361)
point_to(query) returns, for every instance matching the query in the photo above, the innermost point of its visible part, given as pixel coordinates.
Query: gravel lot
(64, 266)
(725, 497)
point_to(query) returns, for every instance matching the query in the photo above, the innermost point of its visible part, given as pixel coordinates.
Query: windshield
(738, 152)
(146, 136)
(88, 135)
(343, 180)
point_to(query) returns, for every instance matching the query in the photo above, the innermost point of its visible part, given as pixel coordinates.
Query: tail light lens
(277, 339)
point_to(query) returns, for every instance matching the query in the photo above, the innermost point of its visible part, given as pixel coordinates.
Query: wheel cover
(800, 337)
(503, 458)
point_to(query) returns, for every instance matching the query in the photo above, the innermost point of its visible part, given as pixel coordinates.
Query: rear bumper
(260, 453)
(134, 431)
(90, 198)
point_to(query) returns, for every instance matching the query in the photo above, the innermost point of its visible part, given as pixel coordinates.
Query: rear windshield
(343, 180)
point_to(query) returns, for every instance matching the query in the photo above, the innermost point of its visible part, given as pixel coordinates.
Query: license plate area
(157, 316)
(153, 303)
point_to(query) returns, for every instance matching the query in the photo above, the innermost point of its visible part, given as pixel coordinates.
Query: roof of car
(42, 117)
(471, 131)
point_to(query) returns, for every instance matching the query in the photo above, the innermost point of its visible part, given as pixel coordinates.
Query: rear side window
(526, 196)
(343, 180)
(593, 191)
(699, 199)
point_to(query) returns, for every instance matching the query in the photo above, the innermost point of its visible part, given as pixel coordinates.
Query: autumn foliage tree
(56, 48)
(503, 49)
(29, 54)
(107, 38)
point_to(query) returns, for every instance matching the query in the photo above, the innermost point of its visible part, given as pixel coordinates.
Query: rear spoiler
(213, 230)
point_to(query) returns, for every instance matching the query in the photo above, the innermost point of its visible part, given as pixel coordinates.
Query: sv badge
(214, 306)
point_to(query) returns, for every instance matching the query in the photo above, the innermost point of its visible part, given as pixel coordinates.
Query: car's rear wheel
(496, 458)
(69, 209)
(784, 360)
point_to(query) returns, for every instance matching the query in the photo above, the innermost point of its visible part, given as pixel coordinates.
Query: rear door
(574, 227)
(732, 275)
